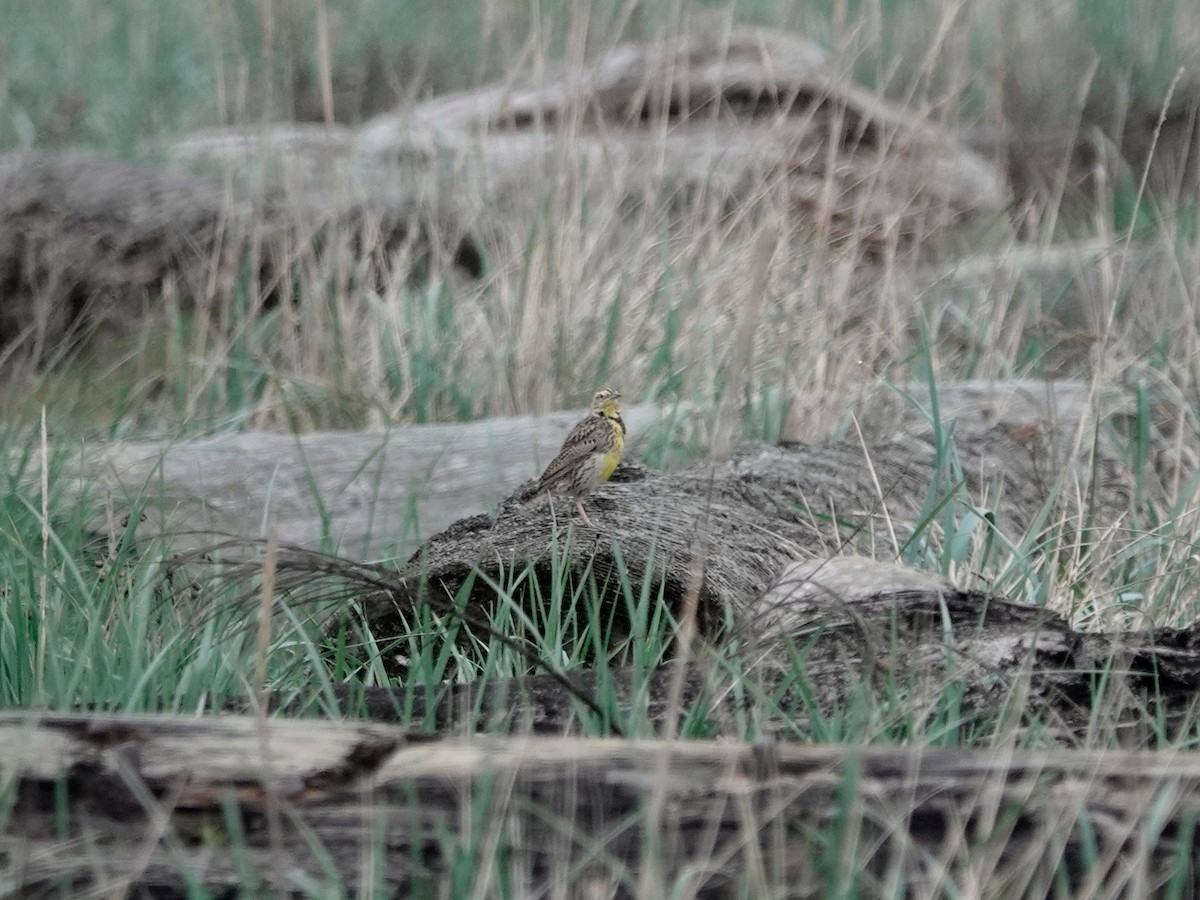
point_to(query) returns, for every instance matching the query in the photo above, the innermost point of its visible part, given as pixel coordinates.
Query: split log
(158, 807)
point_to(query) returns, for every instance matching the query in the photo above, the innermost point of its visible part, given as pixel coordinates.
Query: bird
(590, 452)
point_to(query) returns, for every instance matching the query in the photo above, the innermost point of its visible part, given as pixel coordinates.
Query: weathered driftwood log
(364, 494)
(372, 494)
(79, 234)
(832, 632)
(732, 525)
(702, 113)
(83, 239)
(751, 539)
(165, 806)
(871, 627)
(729, 529)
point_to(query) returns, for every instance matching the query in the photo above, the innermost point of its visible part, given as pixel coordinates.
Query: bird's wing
(590, 436)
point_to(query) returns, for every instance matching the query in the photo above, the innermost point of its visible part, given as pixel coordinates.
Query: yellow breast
(609, 463)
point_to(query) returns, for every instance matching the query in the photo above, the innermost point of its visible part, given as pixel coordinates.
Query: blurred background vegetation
(115, 76)
(124, 78)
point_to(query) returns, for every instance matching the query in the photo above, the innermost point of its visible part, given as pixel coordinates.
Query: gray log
(732, 527)
(153, 806)
(84, 241)
(368, 495)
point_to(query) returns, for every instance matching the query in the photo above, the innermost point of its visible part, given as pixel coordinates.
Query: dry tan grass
(721, 296)
(727, 297)
(726, 300)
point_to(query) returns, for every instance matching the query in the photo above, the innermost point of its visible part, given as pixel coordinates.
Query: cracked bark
(155, 806)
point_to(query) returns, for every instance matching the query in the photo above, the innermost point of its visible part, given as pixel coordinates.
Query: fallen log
(728, 530)
(366, 494)
(372, 494)
(833, 636)
(84, 242)
(158, 806)
(697, 115)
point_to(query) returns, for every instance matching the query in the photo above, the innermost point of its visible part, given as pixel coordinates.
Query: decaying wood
(833, 631)
(77, 234)
(369, 494)
(83, 240)
(700, 114)
(373, 494)
(82, 237)
(703, 112)
(768, 537)
(867, 625)
(738, 523)
(155, 806)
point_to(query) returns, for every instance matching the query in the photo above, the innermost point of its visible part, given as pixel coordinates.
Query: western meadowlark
(590, 452)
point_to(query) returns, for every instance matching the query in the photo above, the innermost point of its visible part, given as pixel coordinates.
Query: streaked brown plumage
(589, 454)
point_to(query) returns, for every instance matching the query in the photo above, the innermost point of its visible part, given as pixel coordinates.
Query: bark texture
(835, 631)
(85, 241)
(374, 494)
(154, 807)
(734, 526)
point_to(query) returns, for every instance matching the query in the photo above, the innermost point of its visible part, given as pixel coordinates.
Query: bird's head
(607, 403)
